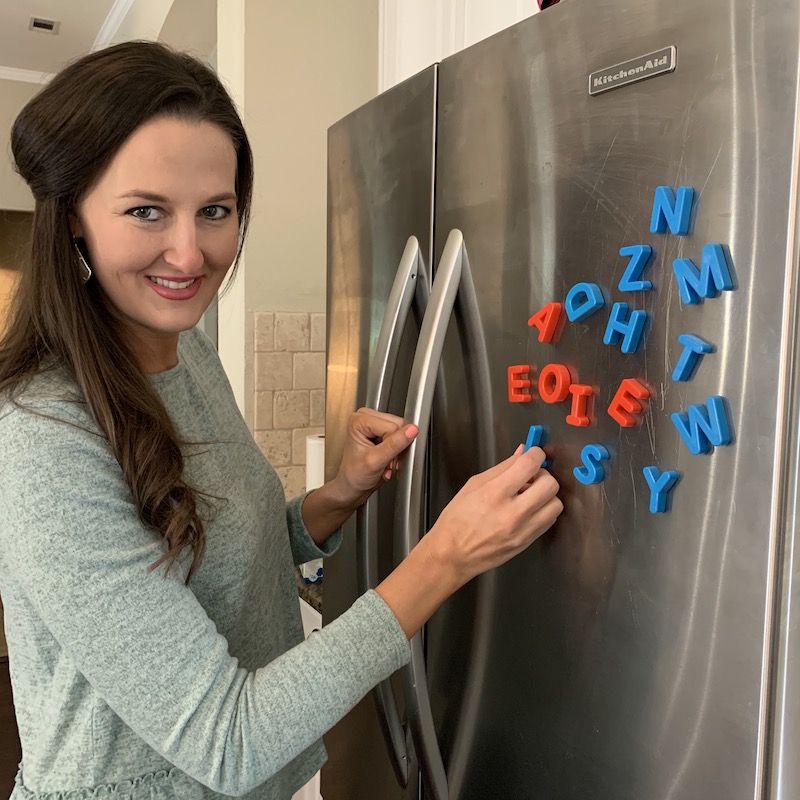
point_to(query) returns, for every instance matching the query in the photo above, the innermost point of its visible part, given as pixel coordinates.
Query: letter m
(714, 275)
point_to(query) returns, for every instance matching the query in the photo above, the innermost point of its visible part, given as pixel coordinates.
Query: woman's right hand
(495, 516)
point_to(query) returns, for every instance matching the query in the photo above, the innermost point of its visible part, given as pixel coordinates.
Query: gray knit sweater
(127, 682)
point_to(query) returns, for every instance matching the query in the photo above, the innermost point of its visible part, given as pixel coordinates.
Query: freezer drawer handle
(409, 507)
(410, 288)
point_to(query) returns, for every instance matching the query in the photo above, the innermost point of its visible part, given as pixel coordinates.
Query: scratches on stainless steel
(623, 219)
(605, 160)
(633, 603)
(686, 118)
(651, 431)
(709, 669)
(667, 330)
(708, 177)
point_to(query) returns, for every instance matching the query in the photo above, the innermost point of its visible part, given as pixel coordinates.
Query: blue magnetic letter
(713, 276)
(704, 425)
(640, 255)
(660, 484)
(693, 349)
(535, 438)
(621, 324)
(592, 469)
(669, 211)
(583, 300)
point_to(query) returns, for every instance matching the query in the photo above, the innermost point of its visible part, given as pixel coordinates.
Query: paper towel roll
(315, 461)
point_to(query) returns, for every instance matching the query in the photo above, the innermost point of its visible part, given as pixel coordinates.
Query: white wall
(416, 33)
(14, 194)
(294, 69)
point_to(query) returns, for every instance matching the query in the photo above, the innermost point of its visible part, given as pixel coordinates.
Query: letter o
(554, 383)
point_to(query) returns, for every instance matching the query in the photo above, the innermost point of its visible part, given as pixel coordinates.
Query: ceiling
(86, 25)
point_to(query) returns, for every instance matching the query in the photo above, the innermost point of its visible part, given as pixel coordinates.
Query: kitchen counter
(310, 592)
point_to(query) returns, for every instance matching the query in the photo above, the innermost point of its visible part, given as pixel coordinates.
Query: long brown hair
(62, 142)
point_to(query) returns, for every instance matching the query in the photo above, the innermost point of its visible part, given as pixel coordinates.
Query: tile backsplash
(289, 390)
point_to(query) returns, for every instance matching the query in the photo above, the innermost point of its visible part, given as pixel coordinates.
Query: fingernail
(519, 449)
(411, 431)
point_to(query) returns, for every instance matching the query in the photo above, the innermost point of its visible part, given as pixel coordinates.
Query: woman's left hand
(374, 443)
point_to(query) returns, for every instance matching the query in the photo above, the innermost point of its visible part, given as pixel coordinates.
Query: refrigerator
(582, 233)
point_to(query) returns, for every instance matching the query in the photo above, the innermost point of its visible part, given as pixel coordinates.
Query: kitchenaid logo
(637, 69)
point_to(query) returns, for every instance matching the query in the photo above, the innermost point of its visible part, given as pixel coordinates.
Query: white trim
(233, 344)
(387, 44)
(25, 75)
(112, 24)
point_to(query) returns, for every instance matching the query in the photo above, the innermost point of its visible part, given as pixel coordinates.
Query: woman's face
(161, 230)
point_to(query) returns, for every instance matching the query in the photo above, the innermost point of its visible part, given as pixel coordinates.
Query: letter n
(672, 211)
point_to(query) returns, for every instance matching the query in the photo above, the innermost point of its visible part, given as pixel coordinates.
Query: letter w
(704, 425)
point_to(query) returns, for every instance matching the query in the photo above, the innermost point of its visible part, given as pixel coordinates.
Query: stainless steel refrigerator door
(626, 654)
(380, 193)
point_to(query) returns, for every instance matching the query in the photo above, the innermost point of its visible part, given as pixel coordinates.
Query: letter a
(546, 321)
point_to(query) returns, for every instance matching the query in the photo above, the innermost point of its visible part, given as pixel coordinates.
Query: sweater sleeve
(72, 539)
(304, 548)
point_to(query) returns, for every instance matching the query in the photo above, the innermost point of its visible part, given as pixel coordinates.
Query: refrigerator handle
(410, 287)
(409, 507)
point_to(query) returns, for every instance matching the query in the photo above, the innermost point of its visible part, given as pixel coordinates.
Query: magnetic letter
(519, 383)
(580, 400)
(631, 280)
(626, 402)
(660, 483)
(713, 277)
(669, 211)
(592, 470)
(704, 425)
(694, 348)
(535, 438)
(629, 327)
(583, 300)
(554, 381)
(546, 321)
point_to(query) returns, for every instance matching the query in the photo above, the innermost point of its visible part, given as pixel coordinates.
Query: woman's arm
(74, 548)
(495, 516)
(374, 442)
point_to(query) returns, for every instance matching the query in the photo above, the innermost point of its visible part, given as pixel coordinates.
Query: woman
(146, 549)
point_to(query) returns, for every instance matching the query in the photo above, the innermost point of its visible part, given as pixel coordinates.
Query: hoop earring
(86, 270)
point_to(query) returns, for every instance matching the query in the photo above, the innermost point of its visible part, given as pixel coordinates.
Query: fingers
(541, 520)
(379, 417)
(524, 469)
(380, 438)
(498, 470)
(395, 443)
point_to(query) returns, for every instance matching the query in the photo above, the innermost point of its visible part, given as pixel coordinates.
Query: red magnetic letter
(546, 321)
(580, 401)
(518, 384)
(554, 382)
(626, 402)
